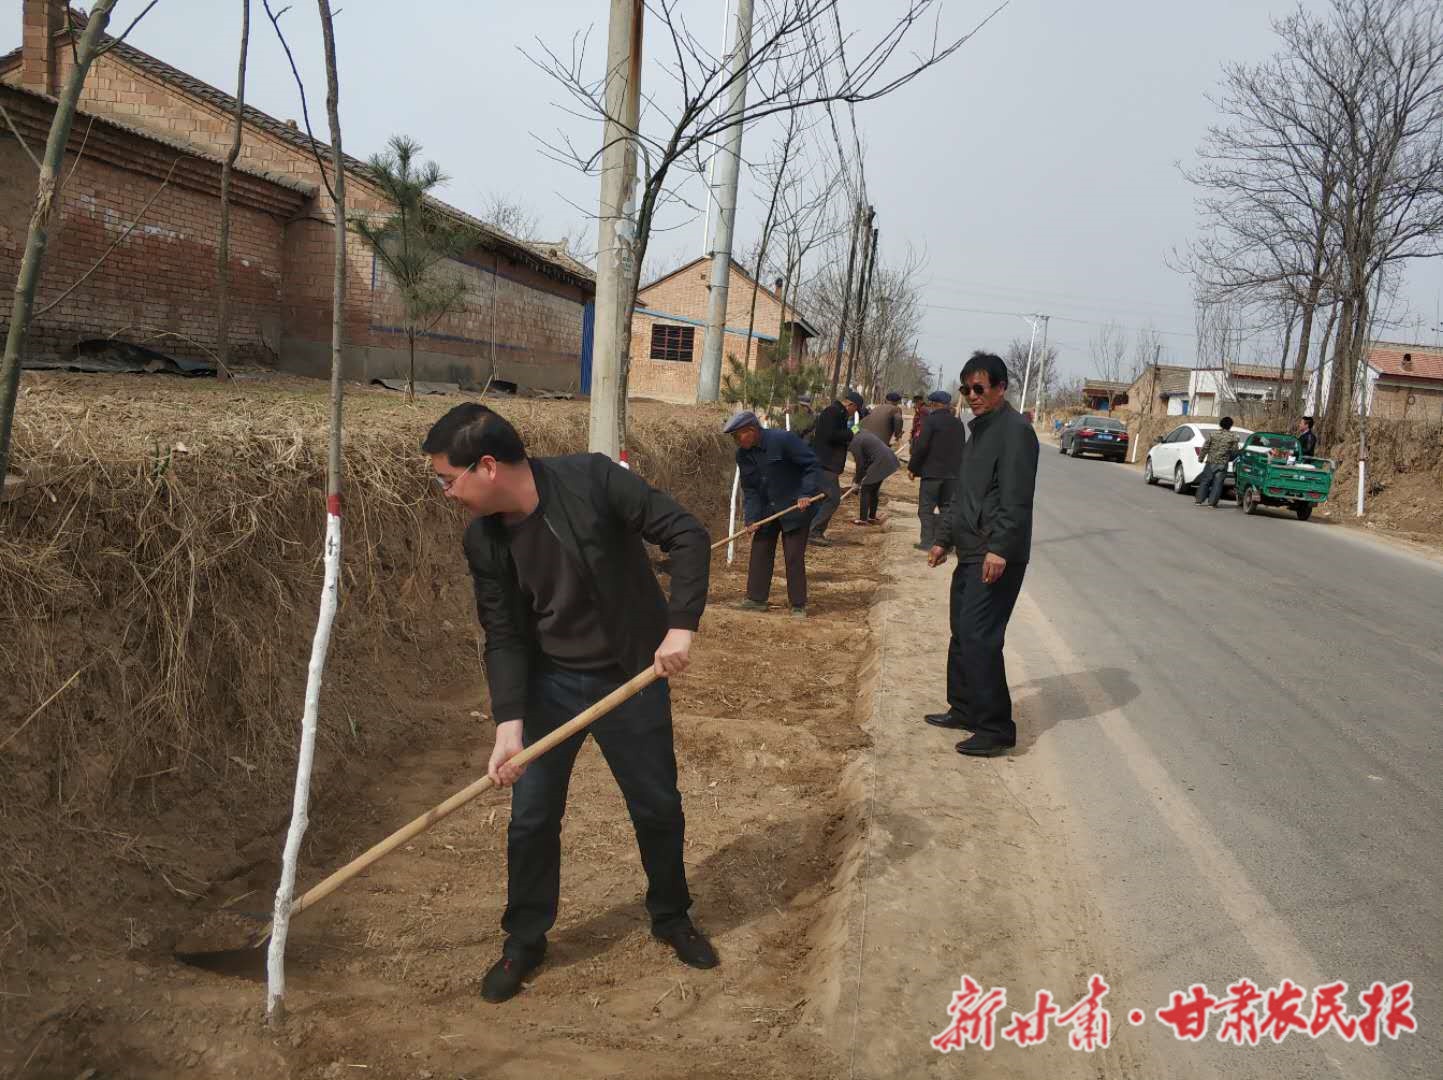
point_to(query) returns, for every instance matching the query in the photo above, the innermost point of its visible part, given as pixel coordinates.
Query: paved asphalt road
(1243, 718)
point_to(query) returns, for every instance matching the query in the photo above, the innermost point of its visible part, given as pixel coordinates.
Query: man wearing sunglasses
(571, 610)
(989, 525)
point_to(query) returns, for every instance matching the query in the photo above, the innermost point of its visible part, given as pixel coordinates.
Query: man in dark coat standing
(990, 528)
(777, 470)
(936, 457)
(830, 439)
(572, 609)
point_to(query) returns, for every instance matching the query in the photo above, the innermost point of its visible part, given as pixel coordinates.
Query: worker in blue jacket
(777, 470)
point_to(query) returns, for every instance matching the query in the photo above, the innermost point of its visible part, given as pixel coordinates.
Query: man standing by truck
(1221, 447)
(571, 610)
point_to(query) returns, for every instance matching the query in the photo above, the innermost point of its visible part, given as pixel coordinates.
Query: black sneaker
(818, 541)
(503, 981)
(946, 719)
(691, 947)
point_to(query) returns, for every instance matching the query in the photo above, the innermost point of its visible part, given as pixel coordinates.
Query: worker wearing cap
(936, 458)
(885, 421)
(919, 416)
(777, 470)
(830, 439)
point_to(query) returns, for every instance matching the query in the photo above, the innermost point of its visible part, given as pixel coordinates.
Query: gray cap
(940, 397)
(746, 418)
(804, 399)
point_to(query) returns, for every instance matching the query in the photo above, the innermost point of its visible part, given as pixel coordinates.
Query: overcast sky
(1036, 170)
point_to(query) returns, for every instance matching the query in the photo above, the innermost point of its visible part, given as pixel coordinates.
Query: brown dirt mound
(159, 576)
(383, 975)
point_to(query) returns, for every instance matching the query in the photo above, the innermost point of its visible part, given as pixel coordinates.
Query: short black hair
(987, 362)
(470, 432)
(1226, 423)
(1309, 421)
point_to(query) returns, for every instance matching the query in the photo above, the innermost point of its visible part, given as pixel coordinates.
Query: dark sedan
(1094, 435)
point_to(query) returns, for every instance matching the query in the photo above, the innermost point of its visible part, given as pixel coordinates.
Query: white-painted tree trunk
(285, 892)
(732, 517)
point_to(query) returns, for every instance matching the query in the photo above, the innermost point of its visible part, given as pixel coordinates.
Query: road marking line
(1264, 930)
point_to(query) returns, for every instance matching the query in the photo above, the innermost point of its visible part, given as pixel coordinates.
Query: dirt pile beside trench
(159, 576)
(177, 571)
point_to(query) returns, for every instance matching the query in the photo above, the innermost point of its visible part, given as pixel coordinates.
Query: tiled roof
(1105, 384)
(1174, 381)
(303, 187)
(1386, 358)
(1259, 371)
(298, 138)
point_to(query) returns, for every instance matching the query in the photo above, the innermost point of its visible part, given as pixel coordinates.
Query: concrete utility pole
(711, 167)
(616, 232)
(1027, 373)
(871, 260)
(846, 299)
(709, 388)
(1041, 370)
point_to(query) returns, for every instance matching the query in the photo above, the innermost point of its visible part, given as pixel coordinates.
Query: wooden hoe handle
(416, 827)
(780, 513)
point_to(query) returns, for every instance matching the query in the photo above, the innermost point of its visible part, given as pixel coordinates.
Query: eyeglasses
(975, 388)
(445, 485)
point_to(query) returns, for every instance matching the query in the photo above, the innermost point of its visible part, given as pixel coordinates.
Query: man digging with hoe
(572, 610)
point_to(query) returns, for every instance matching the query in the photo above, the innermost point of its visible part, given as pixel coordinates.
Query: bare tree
(222, 250)
(511, 217)
(330, 589)
(1326, 174)
(793, 51)
(1109, 348)
(32, 261)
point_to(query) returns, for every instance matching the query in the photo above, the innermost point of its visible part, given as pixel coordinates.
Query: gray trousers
(934, 497)
(832, 488)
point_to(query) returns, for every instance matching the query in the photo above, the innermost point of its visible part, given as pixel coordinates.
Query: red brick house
(669, 327)
(1405, 381)
(523, 314)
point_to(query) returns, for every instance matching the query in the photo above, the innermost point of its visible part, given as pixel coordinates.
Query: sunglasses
(975, 388)
(445, 485)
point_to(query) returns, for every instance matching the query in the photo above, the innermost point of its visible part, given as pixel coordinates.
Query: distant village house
(668, 329)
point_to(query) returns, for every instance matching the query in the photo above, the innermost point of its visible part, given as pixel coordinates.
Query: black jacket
(601, 513)
(775, 473)
(938, 452)
(831, 435)
(992, 508)
(1308, 440)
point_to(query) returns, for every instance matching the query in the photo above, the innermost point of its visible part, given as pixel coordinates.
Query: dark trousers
(976, 675)
(764, 560)
(934, 497)
(832, 488)
(635, 738)
(871, 496)
(1210, 483)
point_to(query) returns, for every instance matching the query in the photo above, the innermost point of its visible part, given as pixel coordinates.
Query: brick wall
(160, 278)
(1393, 402)
(529, 323)
(687, 293)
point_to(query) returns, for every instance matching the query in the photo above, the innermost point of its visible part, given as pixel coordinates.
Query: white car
(1177, 456)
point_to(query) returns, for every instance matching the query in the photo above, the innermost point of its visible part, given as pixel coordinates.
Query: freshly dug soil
(383, 974)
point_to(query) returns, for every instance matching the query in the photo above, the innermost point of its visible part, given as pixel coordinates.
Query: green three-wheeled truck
(1270, 470)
